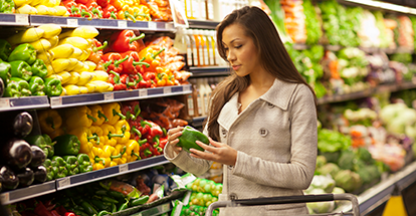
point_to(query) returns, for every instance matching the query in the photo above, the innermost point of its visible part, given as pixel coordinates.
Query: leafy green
(332, 141)
(278, 17)
(313, 27)
(384, 40)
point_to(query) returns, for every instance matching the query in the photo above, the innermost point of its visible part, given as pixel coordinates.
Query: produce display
(94, 9)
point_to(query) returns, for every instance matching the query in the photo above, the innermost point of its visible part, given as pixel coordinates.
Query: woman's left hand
(218, 152)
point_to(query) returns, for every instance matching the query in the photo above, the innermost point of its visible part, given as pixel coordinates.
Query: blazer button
(233, 196)
(224, 133)
(270, 105)
(263, 132)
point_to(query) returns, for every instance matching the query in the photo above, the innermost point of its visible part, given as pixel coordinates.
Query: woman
(262, 119)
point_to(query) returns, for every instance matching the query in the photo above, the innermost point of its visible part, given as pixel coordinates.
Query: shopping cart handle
(285, 199)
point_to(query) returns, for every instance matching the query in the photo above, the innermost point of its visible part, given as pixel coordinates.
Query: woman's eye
(239, 46)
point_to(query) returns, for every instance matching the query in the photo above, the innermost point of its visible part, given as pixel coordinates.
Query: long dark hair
(273, 56)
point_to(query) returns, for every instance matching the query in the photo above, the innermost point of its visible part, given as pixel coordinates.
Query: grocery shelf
(381, 192)
(9, 104)
(198, 121)
(108, 97)
(209, 71)
(36, 20)
(27, 193)
(75, 180)
(202, 24)
(14, 19)
(157, 210)
(377, 5)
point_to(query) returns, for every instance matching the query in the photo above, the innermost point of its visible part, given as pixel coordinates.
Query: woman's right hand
(173, 140)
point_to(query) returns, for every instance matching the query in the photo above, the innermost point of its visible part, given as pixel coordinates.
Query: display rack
(14, 19)
(9, 104)
(79, 179)
(158, 210)
(202, 24)
(209, 71)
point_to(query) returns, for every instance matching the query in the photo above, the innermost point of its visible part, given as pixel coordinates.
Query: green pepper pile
(23, 74)
(95, 199)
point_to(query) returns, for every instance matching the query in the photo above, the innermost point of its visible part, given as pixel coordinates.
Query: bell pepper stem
(142, 142)
(128, 15)
(147, 152)
(116, 78)
(143, 15)
(123, 117)
(137, 110)
(74, 10)
(159, 149)
(133, 129)
(118, 62)
(95, 137)
(119, 154)
(141, 63)
(97, 12)
(141, 36)
(157, 53)
(85, 14)
(113, 15)
(135, 154)
(101, 115)
(98, 159)
(92, 118)
(129, 84)
(164, 131)
(130, 116)
(49, 120)
(105, 44)
(144, 123)
(156, 139)
(111, 135)
(105, 65)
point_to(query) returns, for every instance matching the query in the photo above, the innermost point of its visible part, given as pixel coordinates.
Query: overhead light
(384, 5)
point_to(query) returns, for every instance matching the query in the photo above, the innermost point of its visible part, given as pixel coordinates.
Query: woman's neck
(261, 80)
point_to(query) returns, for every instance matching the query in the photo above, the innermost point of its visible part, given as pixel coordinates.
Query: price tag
(65, 182)
(169, 26)
(72, 22)
(167, 90)
(187, 88)
(56, 101)
(5, 198)
(109, 96)
(142, 92)
(22, 18)
(152, 25)
(123, 168)
(4, 103)
(122, 23)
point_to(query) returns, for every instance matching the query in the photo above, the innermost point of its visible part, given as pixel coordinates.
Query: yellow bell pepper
(84, 135)
(113, 113)
(26, 9)
(41, 45)
(97, 112)
(51, 30)
(96, 157)
(72, 90)
(97, 133)
(122, 127)
(121, 149)
(77, 53)
(99, 86)
(65, 77)
(100, 76)
(60, 65)
(78, 42)
(78, 117)
(111, 134)
(54, 41)
(86, 32)
(46, 57)
(49, 121)
(62, 51)
(132, 150)
(111, 154)
(85, 77)
(26, 36)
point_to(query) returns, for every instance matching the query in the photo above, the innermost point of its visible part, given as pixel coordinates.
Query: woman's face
(240, 50)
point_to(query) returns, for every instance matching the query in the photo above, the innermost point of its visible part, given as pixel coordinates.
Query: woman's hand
(173, 140)
(220, 153)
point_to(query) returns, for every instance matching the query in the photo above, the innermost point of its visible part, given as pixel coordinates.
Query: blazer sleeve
(298, 173)
(187, 163)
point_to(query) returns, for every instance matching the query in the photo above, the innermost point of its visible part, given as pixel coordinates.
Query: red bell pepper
(103, 3)
(84, 1)
(68, 4)
(131, 110)
(41, 210)
(131, 84)
(144, 127)
(145, 151)
(125, 41)
(109, 11)
(114, 79)
(97, 51)
(70, 214)
(55, 213)
(133, 64)
(113, 62)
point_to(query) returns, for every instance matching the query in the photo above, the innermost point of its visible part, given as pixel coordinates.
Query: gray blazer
(276, 140)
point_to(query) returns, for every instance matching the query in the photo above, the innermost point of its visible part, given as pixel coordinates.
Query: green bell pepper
(67, 145)
(17, 88)
(7, 6)
(84, 163)
(61, 167)
(5, 73)
(5, 50)
(50, 170)
(53, 87)
(24, 52)
(39, 140)
(21, 69)
(140, 201)
(37, 86)
(71, 164)
(189, 137)
(39, 68)
(49, 143)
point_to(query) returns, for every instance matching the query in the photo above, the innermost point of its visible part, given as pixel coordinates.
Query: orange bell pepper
(151, 57)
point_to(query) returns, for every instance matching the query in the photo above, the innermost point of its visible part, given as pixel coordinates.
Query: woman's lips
(236, 67)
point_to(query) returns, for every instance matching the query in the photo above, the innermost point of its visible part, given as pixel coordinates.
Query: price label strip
(4, 103)
(65, 182)
(72, 22)
(167, 90)
(142, 92)
(22, 18)
(56, 101)
(187, 88)
(123, 168)
(109, 96)
(5, 198)
(122, 23)
(152, 25)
